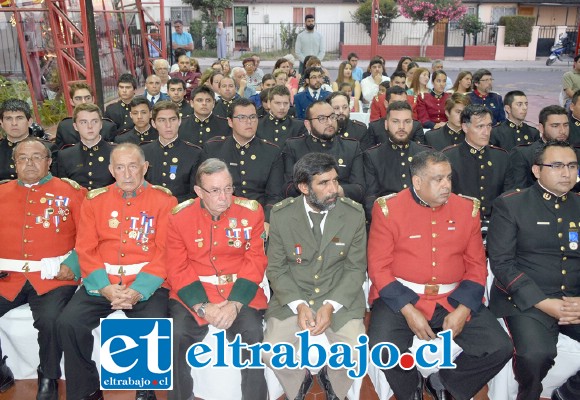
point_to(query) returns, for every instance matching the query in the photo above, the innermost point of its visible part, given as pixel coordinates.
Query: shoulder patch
(162, 189)
(74, 184)
(182, 205)
(249, 204)
(95, 192)
(382, 202)
(352, 203)
(476, 204)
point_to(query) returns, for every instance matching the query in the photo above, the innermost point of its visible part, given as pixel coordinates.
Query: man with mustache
(427, 264)
(316, 266)
(347, 127)
(386, 165)
(534, 255)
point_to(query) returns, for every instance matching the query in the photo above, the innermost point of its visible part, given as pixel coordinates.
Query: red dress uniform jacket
(199, 246)
(124, 231)
(431, 108)
(378, 108)
(38, 222)
(426, 245)
(191, 80)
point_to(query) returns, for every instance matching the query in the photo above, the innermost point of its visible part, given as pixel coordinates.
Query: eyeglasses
(246, 118)
(323, 118)
(36, 158)
(558, 166)
(228, 190)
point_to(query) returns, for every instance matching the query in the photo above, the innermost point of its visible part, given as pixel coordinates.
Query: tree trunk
(424, 40)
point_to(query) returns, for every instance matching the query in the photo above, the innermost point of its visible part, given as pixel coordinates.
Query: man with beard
(86, 162)
(142, 130)
(278, 126)
(255, 164)
(176, 93)
(309, 42)
(482, 94)
(322, 126)
(478, 168)
(120, 112)
(514, 131)
(533, 253)
(314, 287)
(204, 124)
(312, 92)
(378, 131)
(574, 137)
(386, 165)
(428, 268)
(554, 125)
(450, 133)
(346, 127)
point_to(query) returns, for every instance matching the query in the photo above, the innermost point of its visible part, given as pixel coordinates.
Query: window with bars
(183, 13)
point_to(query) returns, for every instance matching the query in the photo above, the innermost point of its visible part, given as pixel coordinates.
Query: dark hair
(422, 160)
(127, 78)
(278, 90)
(240, 102)
(478, 110)
(539, 153)
(385, 84)
(175, 81)
(480, 73)
(138, 100)
(577, 58)
(267, 77)
(279, 62)
(398, 74)
(401, 61)
(313, 164)
(202, 89)
(79, 86)
(399, 106)
(308, 112)
(264, 95)
(15, 105)
(351, 55)
(165, 105)
(308, 16)
(376, 61)
(508, 99)
(435, 74)
(575, 96)
(311, 70)
(550, 110)
(460, 76)
(334, 95)
(214, 74)
(394, 90)
(249, 59)
(179, 52)
(178, 21)
(456, 98)
(413, 65)
(343, 86)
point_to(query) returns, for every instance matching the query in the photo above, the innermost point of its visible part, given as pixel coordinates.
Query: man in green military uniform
(316, 268)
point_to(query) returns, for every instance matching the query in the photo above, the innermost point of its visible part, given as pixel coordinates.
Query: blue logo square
(137, 354)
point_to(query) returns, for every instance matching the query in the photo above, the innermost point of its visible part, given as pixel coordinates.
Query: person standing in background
(309, 42)
(220, 31)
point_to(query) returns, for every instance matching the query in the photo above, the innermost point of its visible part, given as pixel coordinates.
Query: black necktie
(316, 221)
(152, 100)
(314, 95)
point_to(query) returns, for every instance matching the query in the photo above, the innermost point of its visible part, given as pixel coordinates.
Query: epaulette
(74, 184)
(270, 143)
(352, 203)
(249, 204)
(220, 117)
(3, 181)
(295, 138)
(357, 122)
(95, 192)
(182, 205)
(450, 147)
(191, 144)
(346, 138)
(511, 192)
(124, 131)
(68, 145)
(376, 146)
(217, 139)
(282, 204)
(145, 142)
(424, 145)
(162, 189)
(382, 202)
(108, 119)
(498, 148)
(524, 144)
(476, 204)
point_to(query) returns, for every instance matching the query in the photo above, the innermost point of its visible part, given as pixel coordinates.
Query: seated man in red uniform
(427, 264)
(40, 216)
(216, 262)
(122, 258)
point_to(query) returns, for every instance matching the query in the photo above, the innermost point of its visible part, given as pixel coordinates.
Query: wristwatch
(201, 310)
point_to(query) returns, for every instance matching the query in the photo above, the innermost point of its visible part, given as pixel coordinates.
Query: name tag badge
(543, 223)
(415, 237)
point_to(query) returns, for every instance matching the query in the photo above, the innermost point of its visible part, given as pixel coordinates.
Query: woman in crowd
(462, 83)
(226, 69)
(431, 106)
(345, 75)
(291, 81)
(403, 64)
(417, 87)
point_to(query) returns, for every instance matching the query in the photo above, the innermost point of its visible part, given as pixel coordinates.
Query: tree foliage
(210, 9)
(471, 25)
(388, 11)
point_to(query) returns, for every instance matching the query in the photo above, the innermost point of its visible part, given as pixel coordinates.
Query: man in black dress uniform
(347, 127)
(575, 119)
(450, 133)
(176, 93)
(172, 161)
(81, 93)
(142, 130)
(203, 124)
(386, 165)
(120, 111)
(277, 126)
(554, 125)
(514, 131)
(255, 164)
(321, 122)
(478, 168)
(227, 95)
(534, 255)
(86, 162)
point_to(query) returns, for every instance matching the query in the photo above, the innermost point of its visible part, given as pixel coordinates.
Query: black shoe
(326, 385)
(6, 376)
(47, 388)
(305, 387)
(418, 394)
(437, 394)
(98, 395)
(145, 395)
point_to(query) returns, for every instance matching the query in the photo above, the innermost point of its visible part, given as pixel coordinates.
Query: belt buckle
(431, 289)
(223, 279)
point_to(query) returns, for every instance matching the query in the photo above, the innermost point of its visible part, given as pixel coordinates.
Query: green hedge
(518, 29)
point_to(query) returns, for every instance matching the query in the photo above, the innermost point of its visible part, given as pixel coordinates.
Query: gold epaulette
(182, 205)
(382, 202)
(249, 204)
(95, 192)
(74, 184)
(476, 204)
(163, 189)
